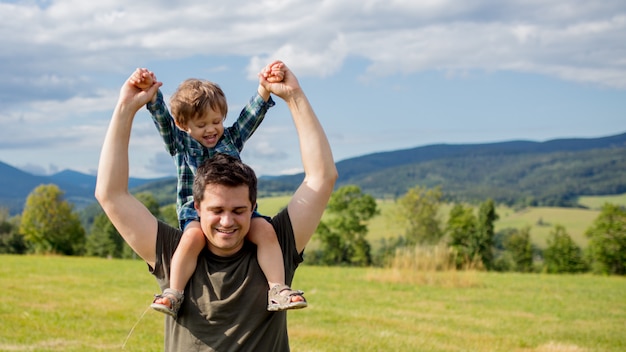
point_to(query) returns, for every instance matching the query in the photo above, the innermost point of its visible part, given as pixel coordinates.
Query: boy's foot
(168, 302)
(282, 297)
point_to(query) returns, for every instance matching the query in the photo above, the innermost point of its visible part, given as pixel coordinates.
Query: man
(223, 310)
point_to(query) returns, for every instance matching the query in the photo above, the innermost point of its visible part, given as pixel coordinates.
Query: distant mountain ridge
(554, 172)
(16, 185)
(355, 167)
(551, 172)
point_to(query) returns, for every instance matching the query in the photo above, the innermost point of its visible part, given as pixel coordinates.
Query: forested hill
(516, 172)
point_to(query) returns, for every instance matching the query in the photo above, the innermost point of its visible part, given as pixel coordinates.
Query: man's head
(224, 170)
(199, 107)
(225, 191)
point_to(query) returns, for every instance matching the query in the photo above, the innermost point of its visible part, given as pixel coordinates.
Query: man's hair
(227, 171)
(194, 97)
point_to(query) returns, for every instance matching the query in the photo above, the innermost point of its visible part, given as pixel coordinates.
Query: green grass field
(540, 219)
(91, 304)
(596, 202)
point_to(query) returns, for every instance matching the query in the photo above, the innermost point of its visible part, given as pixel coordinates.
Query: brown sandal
(277, 301)
(174, 297)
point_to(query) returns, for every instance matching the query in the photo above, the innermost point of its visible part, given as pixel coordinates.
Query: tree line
(469, 233)
(49, 225)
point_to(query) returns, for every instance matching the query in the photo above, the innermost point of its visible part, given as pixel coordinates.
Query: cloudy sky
(381, 74)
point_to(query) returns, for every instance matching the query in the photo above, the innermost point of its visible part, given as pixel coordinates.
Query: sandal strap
(277, 300)
(174, 297)
(278, 289)
(170, 292)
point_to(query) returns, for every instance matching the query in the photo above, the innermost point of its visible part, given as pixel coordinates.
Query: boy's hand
(142, 78)
(274, 72)
(277, 72)
(287, 88)
(133, 97)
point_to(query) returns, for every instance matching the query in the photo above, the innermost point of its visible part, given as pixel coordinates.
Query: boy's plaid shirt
(189, 153)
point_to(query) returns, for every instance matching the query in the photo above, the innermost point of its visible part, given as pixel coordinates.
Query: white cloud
(64, 59)
(396, 36)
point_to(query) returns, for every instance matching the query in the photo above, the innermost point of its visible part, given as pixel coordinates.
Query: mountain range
(16, 185)
(554, 172)
(551, 173)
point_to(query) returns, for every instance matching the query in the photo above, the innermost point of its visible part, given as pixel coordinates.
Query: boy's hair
(192, 99)
(224, 170)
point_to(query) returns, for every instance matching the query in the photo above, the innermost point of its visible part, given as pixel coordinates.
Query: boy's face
(207, 129)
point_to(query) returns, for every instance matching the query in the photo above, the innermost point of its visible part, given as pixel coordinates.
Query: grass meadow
(52, 303)
(541, 220)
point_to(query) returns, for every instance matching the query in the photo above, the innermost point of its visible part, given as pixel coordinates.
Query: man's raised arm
(130, 217)
(309, 201)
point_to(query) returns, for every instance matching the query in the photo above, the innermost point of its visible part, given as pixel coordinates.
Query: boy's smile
(207, 129)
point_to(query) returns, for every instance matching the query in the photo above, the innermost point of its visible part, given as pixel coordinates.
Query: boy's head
(199, 107)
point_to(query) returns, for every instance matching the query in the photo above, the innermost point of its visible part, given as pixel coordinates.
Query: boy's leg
(270, 257)
(269, 254)
(185, 258)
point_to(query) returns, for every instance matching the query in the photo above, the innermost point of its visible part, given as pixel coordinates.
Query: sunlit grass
(541, 220)
(88, 304)
(74, 304)
(596, 202)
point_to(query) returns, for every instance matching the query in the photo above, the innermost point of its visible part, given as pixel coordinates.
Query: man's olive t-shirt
(225, 305)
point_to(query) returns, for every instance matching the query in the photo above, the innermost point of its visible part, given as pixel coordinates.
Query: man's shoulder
(281, 219)
(167, 240)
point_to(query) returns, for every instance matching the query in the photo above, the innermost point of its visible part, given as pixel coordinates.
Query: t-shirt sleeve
(167, 240)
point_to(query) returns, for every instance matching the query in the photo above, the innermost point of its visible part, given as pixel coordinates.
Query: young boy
(195, 133)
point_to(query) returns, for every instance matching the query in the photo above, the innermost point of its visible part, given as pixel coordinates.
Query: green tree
(419, 210)
(461, 228)
(11, 242)
(487, 216)
(607, 241)
(562, 255)
(342, 233)
(150, 202)
(168, 215)
(105, 240)
(519, 247)
(472, 237)
(50, 224)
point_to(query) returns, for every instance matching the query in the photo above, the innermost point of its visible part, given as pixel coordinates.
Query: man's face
(225, 215)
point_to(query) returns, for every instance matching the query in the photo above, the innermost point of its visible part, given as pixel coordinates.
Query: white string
(134, 326)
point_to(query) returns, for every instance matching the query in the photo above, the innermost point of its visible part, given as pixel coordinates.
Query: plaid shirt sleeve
(186, 153)
(164, 122)
(249, 120)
